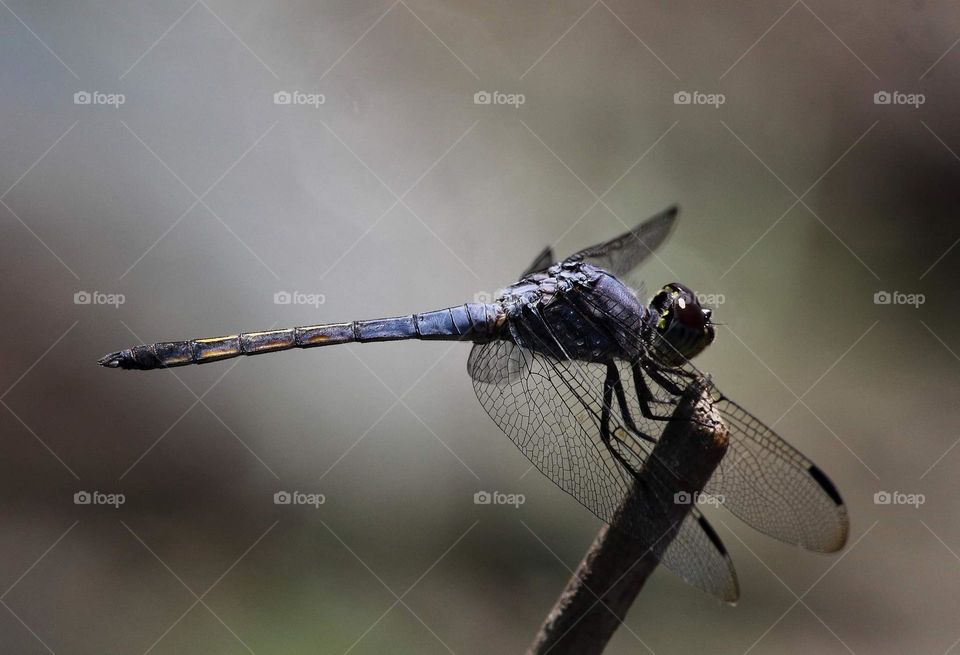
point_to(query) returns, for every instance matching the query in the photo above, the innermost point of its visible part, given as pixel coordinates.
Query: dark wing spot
(714, 537)
(824, 482)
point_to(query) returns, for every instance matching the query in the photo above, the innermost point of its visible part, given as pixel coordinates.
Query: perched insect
(582, 376)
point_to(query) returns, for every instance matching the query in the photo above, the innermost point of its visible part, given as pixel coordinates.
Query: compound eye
(690, 314)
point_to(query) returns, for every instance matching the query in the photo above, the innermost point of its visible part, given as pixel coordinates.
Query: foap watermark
(298, 298)
(711, 299)
(699, 98)
(499, 98)
(898, 498)
(899, 298)
(687, 498)
(899, 98)
(299, 98)
(99, 498)
(99, 98)
(99, 298)
(299, 498)
(498, 498)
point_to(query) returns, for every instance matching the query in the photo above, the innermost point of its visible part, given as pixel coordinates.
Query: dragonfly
(583, 377)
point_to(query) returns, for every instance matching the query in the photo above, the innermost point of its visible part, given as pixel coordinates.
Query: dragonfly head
(682, 323)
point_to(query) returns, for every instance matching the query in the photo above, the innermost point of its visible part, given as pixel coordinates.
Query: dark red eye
(690, 314)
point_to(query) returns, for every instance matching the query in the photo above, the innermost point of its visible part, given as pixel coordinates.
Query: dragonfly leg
(669, 385)
(605, 435)
(613, 372)
(644, 395)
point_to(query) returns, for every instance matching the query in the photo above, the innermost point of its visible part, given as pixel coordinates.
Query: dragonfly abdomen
(468, 322)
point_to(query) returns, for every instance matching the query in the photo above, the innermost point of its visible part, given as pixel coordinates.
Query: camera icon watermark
(299, 498)
(898, 98)
(299, 298)
(98, 498)
(499, 98)
(299, 98)
(99, 298)
(899, 498)
(699, 98)
(486, 296)
(899, 298)
(99, 98)
(499, 498)
(697, 498)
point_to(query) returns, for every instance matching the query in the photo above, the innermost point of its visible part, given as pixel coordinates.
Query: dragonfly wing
(698, 556)
(551, 409)
(770, 485)
(541, 263)
(624, 253)
(762, 479)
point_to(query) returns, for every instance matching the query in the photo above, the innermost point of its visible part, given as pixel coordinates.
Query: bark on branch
(605, 584)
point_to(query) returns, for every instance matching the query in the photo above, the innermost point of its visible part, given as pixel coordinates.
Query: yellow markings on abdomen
(253, 343)
(323, 335)
(213, 349)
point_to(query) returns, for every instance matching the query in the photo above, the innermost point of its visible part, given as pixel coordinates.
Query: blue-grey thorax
(579, 311)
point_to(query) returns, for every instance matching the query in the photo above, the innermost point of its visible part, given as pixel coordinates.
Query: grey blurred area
(172, 170)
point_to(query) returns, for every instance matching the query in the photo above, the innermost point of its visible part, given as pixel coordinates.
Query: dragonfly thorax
(576, 310)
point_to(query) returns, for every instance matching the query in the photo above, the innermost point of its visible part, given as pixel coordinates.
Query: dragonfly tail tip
(113, 360)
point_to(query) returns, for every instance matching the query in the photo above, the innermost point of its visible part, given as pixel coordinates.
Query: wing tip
(712, 534)
(831, 491)
(668, 215)
(825, 483)
(731, 594)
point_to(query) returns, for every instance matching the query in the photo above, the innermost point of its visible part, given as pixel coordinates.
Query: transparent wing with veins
(622, 254)
(552, 409)
(762, 480)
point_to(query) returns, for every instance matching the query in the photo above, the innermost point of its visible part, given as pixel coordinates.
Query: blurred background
(180, 169)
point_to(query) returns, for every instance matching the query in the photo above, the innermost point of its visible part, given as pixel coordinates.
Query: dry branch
(611, 574)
